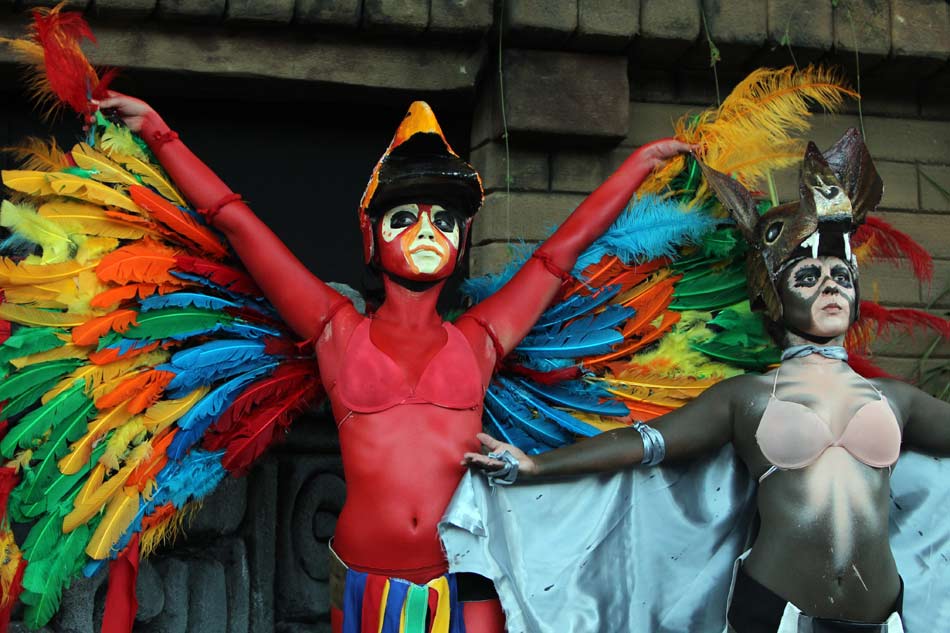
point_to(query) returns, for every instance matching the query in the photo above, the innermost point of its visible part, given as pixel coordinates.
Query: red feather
(545, 377)
(876, 320)
(9, 479)
(287, 379)
(262, 428)
(68, 73)
(881, 241)
(225, 276)
(863, 366)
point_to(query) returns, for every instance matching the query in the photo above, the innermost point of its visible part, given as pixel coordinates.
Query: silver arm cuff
(506, 475)
(654, 447)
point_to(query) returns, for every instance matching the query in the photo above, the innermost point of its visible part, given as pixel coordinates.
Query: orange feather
(146, 472)
(178, 221)
(89, 332)
(132, 388)
(111, 355)
(145, 261)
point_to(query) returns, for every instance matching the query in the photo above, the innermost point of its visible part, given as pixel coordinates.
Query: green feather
(38, 499)
(28, 398)
(723, 243)
(44, 580)
(38, 421)
(710, 289)
(738, 355)
(162, 324)
(47, 532)
(69, 430)
(30, 376)
(30, 340)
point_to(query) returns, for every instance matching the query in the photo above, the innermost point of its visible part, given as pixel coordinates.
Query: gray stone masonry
(540, 22)
(260, 12)
(406, 16)
(805, 26)
(330, 13)
(607, 25)
(667, 29)
(920, 34)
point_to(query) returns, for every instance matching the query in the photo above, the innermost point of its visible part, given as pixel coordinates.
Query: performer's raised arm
(513, 310)
(303, 301)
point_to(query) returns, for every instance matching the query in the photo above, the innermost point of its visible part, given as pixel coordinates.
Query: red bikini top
(370, 381)
(793, 436)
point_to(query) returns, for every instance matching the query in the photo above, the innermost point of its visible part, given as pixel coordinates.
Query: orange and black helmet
(419, 166)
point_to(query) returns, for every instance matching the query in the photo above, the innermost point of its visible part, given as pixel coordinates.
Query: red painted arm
(302, 300)
(513, 310)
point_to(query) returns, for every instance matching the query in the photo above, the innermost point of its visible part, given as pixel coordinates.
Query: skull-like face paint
(818, 296)
(419, 241)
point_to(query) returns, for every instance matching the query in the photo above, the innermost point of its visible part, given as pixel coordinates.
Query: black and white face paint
(818, 297)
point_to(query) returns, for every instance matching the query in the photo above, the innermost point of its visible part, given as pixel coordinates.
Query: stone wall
(583, 83)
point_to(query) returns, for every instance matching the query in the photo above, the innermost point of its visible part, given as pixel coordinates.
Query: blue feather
(570, 343)
(576, 306)
(510, 434)
(210, 362)
(649, 227)
(589, 401)
(508, 408)
(206, 411)
(565, 420)
(189, 300)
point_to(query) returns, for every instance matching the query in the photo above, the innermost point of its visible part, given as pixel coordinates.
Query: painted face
(818, 296)
(419, 241)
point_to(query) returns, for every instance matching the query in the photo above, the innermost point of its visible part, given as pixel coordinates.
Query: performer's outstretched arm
(703, 425)
(513, 310)
(926, 419)
(302, 300)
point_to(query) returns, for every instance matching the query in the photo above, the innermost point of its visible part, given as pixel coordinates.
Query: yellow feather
(167, 530)
(10, 558)
(90, 191)
(89, 219)
(104, 169)
(95, 494)
(34, 154)
(119, 515)
(117, 141)
(29, 274)
(150, 175)
(164, 413)
(97, 375)
(81, 450)
(30, 182)
(66, 351)
(40, 318)
(38, 296)
(120, 443)
(23, 220)
(752, 132)
(600, 422)
(94, 248)
(21, 459)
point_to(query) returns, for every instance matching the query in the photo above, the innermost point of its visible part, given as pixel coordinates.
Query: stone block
(929, 229)
(149, 592)
(935, 95)
(260, 12)
(232, 555)
(533, 22)
(893, 97)
(606, 25)
(174, 615)
(461, 17)
(737, 29)
(935, 187)
(76, 611)
(650, 121)
(920, 34)
(667, 29)
(530, 216)
(337, 13)
(260, 530)
(890, 284)
(703, 87)
(70, 4)
(579, 172)
(396, 16)
(909, 368)
(649, 84)
(900, 184)
(208, 603)
(310, 496)
(222, 512)
(529, 169)
(195, 10)
(551, 96)
(937, 292)
(805, 26)
(125, 8)
(905, 140)
(863, 26)
(492, 257)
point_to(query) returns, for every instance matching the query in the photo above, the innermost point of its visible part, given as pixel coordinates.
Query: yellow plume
(33, 183)
(96, 492)
(29, 274)
(65, 351)
(151, 176)
(40, 318)
(36, 155)
(89, 219)
(103, 169)
(81, 450)
(23, 220)
(93, 249)
(164, 413)
(97, 375)
(117, 141)
(10, 559)
(751, 133)
(75, 186)
(119, 515)
(121, 441)
(167, 530)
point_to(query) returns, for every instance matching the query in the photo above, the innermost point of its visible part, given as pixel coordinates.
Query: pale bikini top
(793, 436)
(370, 381)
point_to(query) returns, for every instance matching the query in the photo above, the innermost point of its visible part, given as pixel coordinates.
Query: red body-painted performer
(401, 377)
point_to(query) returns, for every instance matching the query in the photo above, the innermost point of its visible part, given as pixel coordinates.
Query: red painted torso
(407, 406)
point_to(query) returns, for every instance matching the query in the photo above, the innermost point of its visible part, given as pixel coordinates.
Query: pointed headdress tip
(419, 119)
